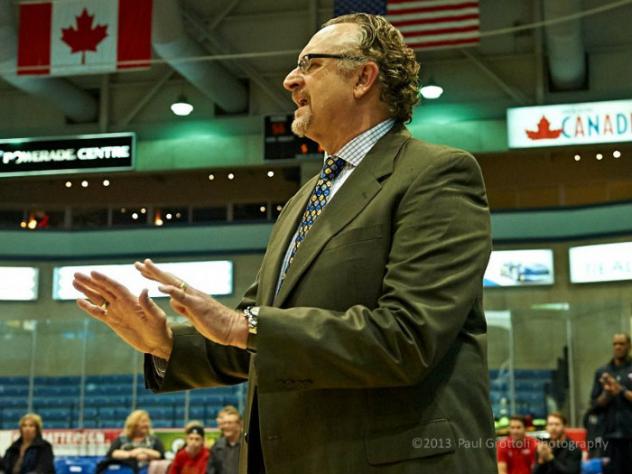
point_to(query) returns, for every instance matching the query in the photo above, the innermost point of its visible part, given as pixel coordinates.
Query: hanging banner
(61, 155)
(570, 124)
(603, 262)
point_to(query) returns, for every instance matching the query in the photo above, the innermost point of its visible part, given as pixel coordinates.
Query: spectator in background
(137, 446)
(228, 409)
(30, 453)
(225, 451)
(612, 397)
(558, 454)
(516, 453)
(193, 457)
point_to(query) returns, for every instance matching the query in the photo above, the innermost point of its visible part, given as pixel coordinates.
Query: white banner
(18, 283)
(606, 262)
(213, 277)
(570, 124)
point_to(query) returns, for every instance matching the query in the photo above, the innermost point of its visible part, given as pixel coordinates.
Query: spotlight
(106, 182)
(231, 176)
(169, 216)
(68, 184)
(211, 177)
(616, 154)
(135, 215)
(599, 156)
(84, 184)
(143, 211)
(270, 174)
(578, 157)
(262, 209)
(182, 107)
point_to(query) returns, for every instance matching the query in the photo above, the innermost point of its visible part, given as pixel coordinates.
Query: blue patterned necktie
(316, 203)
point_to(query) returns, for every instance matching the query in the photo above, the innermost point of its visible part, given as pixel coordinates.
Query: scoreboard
(281, 144)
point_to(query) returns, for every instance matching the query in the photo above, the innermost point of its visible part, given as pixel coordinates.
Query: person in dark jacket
(558, 454)
(30, 453)
(611, 397)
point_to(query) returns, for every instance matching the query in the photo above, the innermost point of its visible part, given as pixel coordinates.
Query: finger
(95, 285)
(151, 271)
(110, 286)
(92, 295)
(178, 294)
(149, 306)
(93, 310)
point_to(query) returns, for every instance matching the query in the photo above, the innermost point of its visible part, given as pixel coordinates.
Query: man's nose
(293, 80)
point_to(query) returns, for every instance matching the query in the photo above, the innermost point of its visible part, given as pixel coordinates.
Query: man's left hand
(212, 319)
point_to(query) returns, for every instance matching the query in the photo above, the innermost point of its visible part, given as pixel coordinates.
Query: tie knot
(332, 168)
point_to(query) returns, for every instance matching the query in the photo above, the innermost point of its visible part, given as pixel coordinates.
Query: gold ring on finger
(104, 306)
(183, 286)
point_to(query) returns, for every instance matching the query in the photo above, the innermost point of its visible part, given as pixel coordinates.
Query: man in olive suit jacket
(363, 336)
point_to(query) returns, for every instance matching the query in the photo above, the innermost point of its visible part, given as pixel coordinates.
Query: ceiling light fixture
(431, 90)
(182, 107)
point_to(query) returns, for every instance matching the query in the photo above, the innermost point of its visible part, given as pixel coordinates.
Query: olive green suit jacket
(372, 356)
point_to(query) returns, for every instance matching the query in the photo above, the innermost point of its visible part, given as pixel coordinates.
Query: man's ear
(366, 79)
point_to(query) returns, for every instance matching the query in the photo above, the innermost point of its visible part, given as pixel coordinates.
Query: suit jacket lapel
(355, 194)
(280, 239)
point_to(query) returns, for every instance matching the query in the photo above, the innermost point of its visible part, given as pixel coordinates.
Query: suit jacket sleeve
(439, 249)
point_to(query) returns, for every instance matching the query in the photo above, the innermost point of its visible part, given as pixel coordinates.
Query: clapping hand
(212, 319)
(137, 320)
(610, 384)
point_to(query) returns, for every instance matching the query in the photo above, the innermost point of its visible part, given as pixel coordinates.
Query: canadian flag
(69, 37)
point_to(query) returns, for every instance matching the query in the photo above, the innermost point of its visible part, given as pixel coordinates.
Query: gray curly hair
(399, 70)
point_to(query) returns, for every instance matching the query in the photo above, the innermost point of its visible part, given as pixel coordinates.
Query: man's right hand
(138, 321)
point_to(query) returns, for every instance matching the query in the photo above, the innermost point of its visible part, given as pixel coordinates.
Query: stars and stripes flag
(425, 24)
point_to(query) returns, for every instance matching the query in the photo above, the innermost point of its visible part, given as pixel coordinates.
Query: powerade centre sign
(570, 124)
(62, 155)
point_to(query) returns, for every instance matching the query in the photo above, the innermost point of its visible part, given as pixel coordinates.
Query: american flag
(425, 24)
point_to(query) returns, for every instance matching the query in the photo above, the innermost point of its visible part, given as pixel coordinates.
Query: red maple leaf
(84, 37)
(543, 131)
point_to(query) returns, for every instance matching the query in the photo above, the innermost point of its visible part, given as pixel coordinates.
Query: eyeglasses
(305, 63)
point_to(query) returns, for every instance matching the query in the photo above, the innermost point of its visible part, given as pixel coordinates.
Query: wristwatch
(251, 313)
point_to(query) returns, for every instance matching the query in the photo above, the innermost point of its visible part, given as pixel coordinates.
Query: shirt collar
(354, 151)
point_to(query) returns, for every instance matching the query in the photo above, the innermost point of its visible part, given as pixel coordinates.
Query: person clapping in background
(137, 444)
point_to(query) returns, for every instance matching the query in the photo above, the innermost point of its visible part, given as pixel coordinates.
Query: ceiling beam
(282, 101)
(512, 92)
(143, 101)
